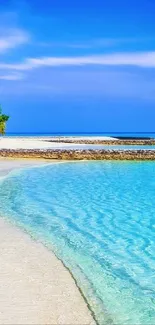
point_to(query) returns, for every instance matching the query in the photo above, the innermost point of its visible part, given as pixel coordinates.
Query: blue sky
(78, 66)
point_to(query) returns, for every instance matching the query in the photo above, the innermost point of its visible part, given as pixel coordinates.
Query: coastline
(36, 288)
(86, 154)
(67, 149)
(9, 164)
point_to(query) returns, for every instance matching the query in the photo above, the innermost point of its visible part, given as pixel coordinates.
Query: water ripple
(99, 217)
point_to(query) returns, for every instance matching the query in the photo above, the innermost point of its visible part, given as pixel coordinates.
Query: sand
(41, 143)
(29, 143)
(35, 287)
(7, 165)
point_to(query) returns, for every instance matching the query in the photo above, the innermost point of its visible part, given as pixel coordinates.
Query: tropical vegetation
(3, 119)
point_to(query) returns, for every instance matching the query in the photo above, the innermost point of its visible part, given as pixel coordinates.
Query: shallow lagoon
(99, 218)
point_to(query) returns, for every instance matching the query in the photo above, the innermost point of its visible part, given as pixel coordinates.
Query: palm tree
(3, 119)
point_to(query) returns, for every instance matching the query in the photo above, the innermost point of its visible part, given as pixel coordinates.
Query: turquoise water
(99, 218)
(106, 147)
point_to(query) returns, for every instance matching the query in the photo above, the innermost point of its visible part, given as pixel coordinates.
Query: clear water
(106, 147)
(99, 218)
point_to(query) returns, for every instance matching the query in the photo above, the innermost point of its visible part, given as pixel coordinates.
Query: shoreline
(70, 148)
(7, 165)
(74, 155)
(101, 140)
(36, 287)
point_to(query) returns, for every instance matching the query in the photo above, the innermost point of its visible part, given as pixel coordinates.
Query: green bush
(3, 119)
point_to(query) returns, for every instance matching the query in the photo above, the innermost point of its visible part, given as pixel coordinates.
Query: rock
(80, 154)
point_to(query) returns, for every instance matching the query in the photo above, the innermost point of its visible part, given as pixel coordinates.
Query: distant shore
(75, 148)
(35, 286)
(103, 140)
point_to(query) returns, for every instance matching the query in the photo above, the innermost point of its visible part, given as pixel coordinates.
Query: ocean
(67, 134)
(99, 219)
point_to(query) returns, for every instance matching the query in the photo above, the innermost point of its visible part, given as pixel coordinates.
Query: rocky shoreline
(104, 142)
(79, 154)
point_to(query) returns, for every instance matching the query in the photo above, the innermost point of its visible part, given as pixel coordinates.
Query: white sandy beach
(35, 287)
(41, 143)
(29, 143)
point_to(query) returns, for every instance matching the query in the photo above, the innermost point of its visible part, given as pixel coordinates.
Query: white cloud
(141, 59)
(11, 38)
